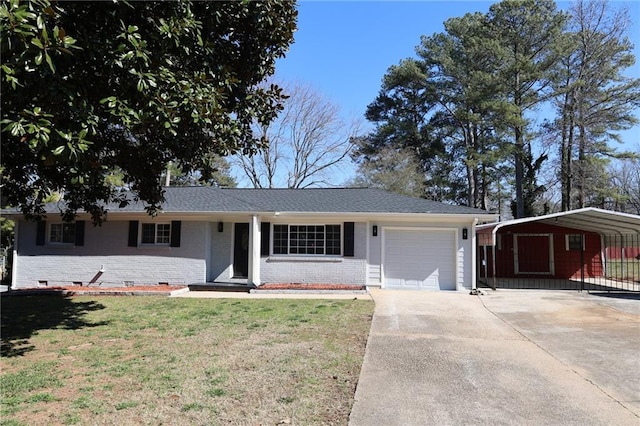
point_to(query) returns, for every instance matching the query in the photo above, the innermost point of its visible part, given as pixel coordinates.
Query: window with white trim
(62, 233)
(156, 233)
(574, 242)
(307, 239)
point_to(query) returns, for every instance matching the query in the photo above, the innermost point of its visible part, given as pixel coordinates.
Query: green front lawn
(158, 360)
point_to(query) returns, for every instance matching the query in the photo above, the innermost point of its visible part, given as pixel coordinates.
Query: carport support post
(581, 262)
(493, 263)
(254, 251)
(474, 254)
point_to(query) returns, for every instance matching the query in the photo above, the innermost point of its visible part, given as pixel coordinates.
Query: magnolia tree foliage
(93, 87)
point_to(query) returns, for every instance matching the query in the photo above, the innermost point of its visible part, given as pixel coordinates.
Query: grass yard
(158, 360)
(627, 270)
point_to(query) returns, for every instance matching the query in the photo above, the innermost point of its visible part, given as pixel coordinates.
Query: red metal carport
(585, 249)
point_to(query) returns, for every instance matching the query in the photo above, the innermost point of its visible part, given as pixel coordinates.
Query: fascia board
(446, 217)
(218, 215)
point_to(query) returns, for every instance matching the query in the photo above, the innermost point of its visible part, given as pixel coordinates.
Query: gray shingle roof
(341, 200)
(316, 200)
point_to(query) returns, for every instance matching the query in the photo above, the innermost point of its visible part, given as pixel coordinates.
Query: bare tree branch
(306, 143)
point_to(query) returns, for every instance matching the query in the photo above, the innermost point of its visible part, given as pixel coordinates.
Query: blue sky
(343, 48)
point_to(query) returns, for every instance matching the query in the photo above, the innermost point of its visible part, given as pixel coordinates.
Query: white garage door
(419, 259)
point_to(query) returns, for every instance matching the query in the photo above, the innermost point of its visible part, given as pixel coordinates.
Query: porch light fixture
(465, 234)
(375, 230)
(220, 226)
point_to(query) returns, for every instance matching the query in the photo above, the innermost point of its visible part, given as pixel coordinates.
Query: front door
(241, 250)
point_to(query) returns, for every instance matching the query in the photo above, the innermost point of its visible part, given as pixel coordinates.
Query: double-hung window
(156, 233)
(307, 239)
(62, 233)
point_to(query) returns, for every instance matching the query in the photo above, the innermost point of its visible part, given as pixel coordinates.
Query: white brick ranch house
(353, 236)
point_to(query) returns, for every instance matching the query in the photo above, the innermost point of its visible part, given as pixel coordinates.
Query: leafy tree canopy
(93, 87)
(221, 177)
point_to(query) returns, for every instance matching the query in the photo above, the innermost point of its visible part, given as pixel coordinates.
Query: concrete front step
(232, 287)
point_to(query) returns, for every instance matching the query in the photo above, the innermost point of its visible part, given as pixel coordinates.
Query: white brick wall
(138, 270)
(313, 270)
(106, 247)
(205, 255)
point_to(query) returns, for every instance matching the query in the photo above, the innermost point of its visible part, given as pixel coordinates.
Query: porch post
(254, 251)
(14, 257)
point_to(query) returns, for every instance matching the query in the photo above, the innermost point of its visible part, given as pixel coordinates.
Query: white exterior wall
(221, 253)
(464, 256)
(313, 271)
(106, 247)
(207, 255)
(320, 269)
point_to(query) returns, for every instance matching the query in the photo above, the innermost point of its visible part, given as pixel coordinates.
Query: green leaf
(59, 150)
(49, 61)
(36, 42)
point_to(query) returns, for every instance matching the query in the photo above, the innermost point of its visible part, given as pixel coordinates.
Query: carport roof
(590, 219)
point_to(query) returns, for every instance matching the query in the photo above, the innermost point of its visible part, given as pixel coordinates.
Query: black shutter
(265, 232)
(80, 232)
(133, 233)
(40, 232)
(175, 233)
(348, 239)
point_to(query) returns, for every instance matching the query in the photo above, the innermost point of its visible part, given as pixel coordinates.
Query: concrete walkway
(270, 295)
(521, 358)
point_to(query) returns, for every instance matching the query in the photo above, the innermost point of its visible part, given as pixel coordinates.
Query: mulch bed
(78, 290)
(166, 289)
(301, 286)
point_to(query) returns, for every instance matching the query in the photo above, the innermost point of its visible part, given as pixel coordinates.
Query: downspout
(474, 241)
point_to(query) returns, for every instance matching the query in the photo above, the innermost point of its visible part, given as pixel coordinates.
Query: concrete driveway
(507, 357)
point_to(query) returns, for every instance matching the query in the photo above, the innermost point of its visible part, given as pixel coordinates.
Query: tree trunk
(582, 169)
(519, 152)
(472, 189)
